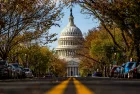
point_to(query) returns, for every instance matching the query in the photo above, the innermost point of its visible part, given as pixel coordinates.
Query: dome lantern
(71, 19)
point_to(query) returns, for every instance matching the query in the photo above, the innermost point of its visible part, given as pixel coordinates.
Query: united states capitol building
(69, 43)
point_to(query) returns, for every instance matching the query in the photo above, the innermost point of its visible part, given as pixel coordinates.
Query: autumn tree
(104, 50)
(25, 20)
(39, 59)
(87, 62)
(58, 66)
(123, 14)
(36, 57)
(99, 51)
(86, 66)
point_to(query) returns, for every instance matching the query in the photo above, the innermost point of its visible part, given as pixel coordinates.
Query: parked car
(23, 72)
(117, 72)
(77, 76)
(112, 71)
(134, 72)
(18, 70)
(89, 75)
(49, 75)
(97, 74)
(12, 71)
(28, 73)
(137, 73)
(127, 68)
(122, 70)
(4, 72)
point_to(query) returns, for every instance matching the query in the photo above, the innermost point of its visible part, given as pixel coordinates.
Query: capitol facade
(69, 43)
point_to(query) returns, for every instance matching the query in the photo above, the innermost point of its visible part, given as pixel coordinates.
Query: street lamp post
(115, 62)
(114, 56)
(26, 60)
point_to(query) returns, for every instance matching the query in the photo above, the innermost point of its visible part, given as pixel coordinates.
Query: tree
(99, 50)
(25, 20)
(58, 66)
(39, 59)
(123, 14)
(36, 57)
(104, 50)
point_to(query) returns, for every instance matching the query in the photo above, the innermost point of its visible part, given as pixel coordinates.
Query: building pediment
(72, 63)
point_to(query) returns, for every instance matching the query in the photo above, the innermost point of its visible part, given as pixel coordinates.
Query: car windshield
(138, 66)
(129, 65)
(15, 65)
(123, 65)
(114, 68)
(21, 67)
(118, 68)
(2, 62)
(12, 66)
(26, 69)
(134, 65)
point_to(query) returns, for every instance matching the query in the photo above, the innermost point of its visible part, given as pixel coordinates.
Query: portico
(72, 69)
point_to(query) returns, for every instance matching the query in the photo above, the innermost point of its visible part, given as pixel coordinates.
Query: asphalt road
(71, 86)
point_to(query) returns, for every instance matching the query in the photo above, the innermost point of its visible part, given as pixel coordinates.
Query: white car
(77, 76)
(28, 73)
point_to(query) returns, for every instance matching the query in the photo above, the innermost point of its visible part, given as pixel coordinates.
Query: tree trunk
(138, 53)
(4, 56)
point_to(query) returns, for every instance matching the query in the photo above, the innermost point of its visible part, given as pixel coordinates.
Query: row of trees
(39, 58)
(26, 20)
(100, 51)
(22, 24)
(123, 14)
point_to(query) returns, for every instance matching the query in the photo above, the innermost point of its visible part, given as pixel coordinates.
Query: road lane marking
(59, 89)
(80, 88)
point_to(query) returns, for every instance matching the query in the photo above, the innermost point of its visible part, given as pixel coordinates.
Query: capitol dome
(71, 31)
(69, 43)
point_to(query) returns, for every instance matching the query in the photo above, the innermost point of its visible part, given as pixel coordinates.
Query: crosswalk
(60, 89)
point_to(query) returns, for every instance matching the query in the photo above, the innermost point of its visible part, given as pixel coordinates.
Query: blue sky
(82, 21)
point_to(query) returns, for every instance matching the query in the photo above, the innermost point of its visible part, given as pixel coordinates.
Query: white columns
(70, 71)
(74, 71)
(77, 71)
(60, 52)
(68, 52)
(67, 71)
(65, 53)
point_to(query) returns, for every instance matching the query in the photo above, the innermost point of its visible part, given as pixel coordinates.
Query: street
(70, 86)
